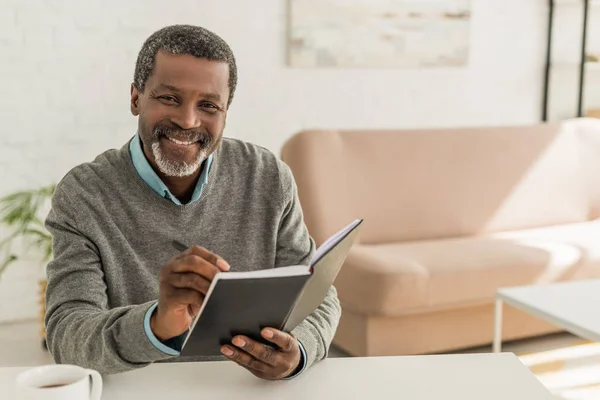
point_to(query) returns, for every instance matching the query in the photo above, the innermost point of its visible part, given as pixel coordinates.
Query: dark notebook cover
(242, 306)
(247, 304)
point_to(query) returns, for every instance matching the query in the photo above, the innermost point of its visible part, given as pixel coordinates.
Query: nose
(186, 117)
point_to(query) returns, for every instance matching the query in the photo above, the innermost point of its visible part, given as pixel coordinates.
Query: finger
(261, 352)
(189, 280)
(196, 264)
(254, 372)
(193, 309)
(244, 359)
(284, 341)
(187, 296)
(210, 257)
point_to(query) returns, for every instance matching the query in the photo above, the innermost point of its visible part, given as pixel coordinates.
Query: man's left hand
(264, 361)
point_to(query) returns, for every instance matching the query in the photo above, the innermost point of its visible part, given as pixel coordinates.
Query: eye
(209, 107)
(168, 99)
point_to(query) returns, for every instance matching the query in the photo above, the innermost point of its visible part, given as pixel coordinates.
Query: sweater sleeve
(296, 247)
(80, 327)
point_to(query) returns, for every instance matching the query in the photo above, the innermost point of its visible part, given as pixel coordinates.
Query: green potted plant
(20, 214)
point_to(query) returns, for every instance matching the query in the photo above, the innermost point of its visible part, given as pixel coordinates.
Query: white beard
(174, 168)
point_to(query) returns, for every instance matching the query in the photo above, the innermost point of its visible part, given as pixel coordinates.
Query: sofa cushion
(397, 279)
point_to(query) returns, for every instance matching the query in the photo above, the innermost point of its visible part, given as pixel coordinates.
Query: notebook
(246, 302)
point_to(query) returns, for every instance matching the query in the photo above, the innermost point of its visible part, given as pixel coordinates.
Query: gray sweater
(112, 233)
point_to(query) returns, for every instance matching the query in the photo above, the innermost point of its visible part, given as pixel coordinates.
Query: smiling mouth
(180, 142)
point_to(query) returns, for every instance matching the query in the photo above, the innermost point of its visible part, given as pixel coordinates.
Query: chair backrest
(426, 184)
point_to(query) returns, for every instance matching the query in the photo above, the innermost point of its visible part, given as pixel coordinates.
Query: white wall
(566, 55)
(66, 67)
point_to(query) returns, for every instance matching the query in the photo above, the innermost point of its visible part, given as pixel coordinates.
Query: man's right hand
(184, 282)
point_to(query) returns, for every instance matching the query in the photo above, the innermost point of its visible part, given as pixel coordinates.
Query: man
(119, 296)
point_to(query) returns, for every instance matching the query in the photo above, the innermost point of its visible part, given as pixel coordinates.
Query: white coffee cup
(59, 382)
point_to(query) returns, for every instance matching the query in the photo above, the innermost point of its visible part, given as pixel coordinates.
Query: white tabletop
(571, 305)
(470, 376)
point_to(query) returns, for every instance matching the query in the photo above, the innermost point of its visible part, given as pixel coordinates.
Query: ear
(135, 98)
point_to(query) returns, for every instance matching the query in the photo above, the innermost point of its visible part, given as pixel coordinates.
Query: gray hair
(184, 39)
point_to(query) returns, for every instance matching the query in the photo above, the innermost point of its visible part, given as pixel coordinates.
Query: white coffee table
(464, 376)
(572, 306)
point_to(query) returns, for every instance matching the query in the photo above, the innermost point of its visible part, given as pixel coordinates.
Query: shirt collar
(144, 169)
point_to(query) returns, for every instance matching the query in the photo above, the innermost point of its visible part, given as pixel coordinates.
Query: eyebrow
(209, 96)
(173, 88)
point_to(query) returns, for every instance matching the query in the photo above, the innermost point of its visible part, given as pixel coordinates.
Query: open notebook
(281, 298)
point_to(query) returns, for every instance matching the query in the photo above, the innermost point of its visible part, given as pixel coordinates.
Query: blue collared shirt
(146, 172)
(144, 169)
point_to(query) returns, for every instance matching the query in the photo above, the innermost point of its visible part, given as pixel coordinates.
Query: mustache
(184, 135)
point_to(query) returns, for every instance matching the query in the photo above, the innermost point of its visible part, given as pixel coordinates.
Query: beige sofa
(450, 216)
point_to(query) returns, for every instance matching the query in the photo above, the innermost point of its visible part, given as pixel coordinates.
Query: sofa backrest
(440, 183)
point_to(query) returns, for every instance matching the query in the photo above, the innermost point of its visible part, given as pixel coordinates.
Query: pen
(179, 246)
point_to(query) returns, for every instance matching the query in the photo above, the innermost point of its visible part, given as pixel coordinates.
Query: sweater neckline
(155, 198)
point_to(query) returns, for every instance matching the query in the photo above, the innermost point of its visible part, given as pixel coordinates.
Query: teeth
(179, 142)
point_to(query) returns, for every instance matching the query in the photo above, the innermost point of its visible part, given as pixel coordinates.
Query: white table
(465, 377)
(572, 306)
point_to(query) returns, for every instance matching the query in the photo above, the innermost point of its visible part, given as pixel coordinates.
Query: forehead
(189, 73)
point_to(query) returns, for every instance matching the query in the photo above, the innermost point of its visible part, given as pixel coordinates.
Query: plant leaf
(20, 208)
(9, 260)
(19, 211)
(47, 251)
(36, 232)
